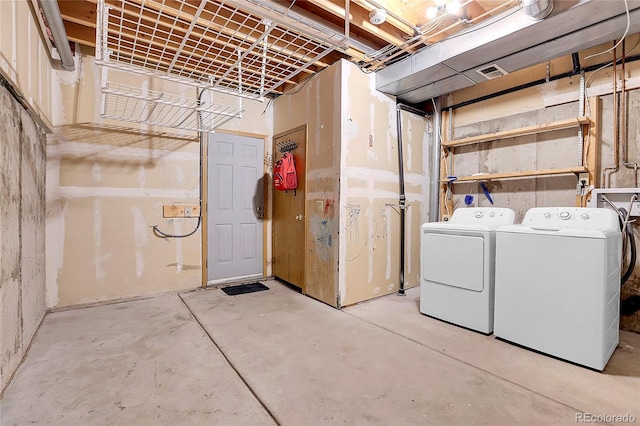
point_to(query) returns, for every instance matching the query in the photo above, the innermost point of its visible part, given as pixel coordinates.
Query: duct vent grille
(491, 71)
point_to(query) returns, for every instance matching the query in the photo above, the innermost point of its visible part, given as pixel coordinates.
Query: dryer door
(455, 260)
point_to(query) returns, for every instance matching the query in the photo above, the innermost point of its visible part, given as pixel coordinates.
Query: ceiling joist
(257, 47)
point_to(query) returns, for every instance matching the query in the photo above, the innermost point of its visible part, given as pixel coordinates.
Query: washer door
(454, 260)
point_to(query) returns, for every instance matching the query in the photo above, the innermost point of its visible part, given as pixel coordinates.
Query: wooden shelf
(513, 175)
(545, 127)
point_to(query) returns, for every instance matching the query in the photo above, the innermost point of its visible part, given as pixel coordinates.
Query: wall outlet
(187, 212)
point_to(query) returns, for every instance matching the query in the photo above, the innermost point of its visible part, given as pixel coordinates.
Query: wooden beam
(360, 18)
(512, 175)
(398, 8)
(337, 23)
(80, 34)
(529, 130)
(446, 206)
(80, 12)
(204, 201)
(188, 210)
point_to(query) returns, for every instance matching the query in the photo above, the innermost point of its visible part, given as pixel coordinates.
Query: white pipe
(434, 169)
(54, 20)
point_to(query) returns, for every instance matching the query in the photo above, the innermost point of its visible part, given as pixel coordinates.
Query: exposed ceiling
(419, 49)
(270, 46)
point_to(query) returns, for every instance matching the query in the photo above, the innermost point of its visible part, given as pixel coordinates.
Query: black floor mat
(244, 288)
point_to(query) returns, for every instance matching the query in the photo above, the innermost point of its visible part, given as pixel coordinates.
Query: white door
(236, 206)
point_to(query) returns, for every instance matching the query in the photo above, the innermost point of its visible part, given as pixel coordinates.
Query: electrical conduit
(402, 198)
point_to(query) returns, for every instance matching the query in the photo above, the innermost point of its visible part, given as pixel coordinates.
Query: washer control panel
(483, 215)
(574, 217)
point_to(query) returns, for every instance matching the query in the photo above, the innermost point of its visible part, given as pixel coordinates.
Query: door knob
(299, 217)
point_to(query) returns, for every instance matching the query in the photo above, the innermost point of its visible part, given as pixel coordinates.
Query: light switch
(320, 205)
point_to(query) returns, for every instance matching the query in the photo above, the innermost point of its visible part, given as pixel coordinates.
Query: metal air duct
(537, 9)
(509, 42)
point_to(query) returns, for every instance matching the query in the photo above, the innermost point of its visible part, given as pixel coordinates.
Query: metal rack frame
(245, 48)
(126, 103)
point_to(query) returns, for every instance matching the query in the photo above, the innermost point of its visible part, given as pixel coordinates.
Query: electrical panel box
(619, 197)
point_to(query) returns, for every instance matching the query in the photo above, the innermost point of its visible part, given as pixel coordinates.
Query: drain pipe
(54, 20)
(403, 200)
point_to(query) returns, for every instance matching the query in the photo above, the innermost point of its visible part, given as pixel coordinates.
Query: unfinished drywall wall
(24, 60)
(352, 234)
(369, 190)
(107, 184)
(22, 229)
(554, 100)
(317, 104)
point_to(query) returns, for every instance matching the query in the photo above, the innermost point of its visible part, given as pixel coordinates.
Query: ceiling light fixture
(377, 16)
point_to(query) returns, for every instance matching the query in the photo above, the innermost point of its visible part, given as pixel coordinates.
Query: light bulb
(432, 12)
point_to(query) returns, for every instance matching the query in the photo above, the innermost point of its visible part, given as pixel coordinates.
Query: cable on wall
(156, 231)
(626, 6)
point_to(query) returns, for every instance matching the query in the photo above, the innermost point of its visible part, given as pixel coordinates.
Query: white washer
(457, 266)
(558, 283)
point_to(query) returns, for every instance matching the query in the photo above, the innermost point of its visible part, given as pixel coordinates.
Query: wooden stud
(446, 206)
(80, 33)
(183, 210)
(593, 142)
(204, 187)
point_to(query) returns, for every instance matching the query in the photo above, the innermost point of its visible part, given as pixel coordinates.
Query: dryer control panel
(571, 217)
(483, 215)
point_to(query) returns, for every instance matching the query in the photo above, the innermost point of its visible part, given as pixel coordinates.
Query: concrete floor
(279, 357)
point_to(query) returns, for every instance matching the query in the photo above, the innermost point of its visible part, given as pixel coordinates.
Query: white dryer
(558, 283)
(457, 266)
